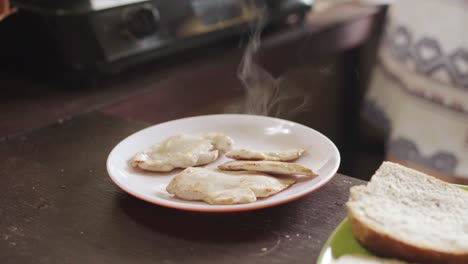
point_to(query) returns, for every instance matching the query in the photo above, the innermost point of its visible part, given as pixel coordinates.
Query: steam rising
(264, 94)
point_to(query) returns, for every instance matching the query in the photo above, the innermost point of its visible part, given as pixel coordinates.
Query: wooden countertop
(58, 205)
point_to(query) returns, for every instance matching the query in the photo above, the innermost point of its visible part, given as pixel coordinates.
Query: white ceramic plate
(248, 131)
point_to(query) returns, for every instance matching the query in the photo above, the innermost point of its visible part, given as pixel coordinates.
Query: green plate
(342, 242)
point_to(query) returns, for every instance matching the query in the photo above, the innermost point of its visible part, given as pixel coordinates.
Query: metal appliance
(107, 36)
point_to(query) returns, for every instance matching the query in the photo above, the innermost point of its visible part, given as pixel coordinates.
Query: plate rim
(329, 240)
(227, 209)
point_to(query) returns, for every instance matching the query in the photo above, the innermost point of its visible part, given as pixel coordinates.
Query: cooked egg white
(182, 151)
(281, 155)
(222, 187)
(274, 167)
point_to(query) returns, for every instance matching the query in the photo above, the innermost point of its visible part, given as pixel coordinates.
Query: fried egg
(182, 151)
(220, 141)
(274, 167)
(222, 187)
(282, 155)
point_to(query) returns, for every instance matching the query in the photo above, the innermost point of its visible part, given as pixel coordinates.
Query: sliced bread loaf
(405, 214)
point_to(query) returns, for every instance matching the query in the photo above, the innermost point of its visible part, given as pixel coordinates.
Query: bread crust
(387, 246)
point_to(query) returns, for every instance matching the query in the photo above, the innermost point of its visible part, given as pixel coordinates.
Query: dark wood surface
(58, 205)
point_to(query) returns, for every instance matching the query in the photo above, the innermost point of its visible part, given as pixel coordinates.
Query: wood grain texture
(182, 96)
(58, 205)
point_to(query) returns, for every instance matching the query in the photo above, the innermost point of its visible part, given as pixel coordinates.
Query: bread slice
(406, 214)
